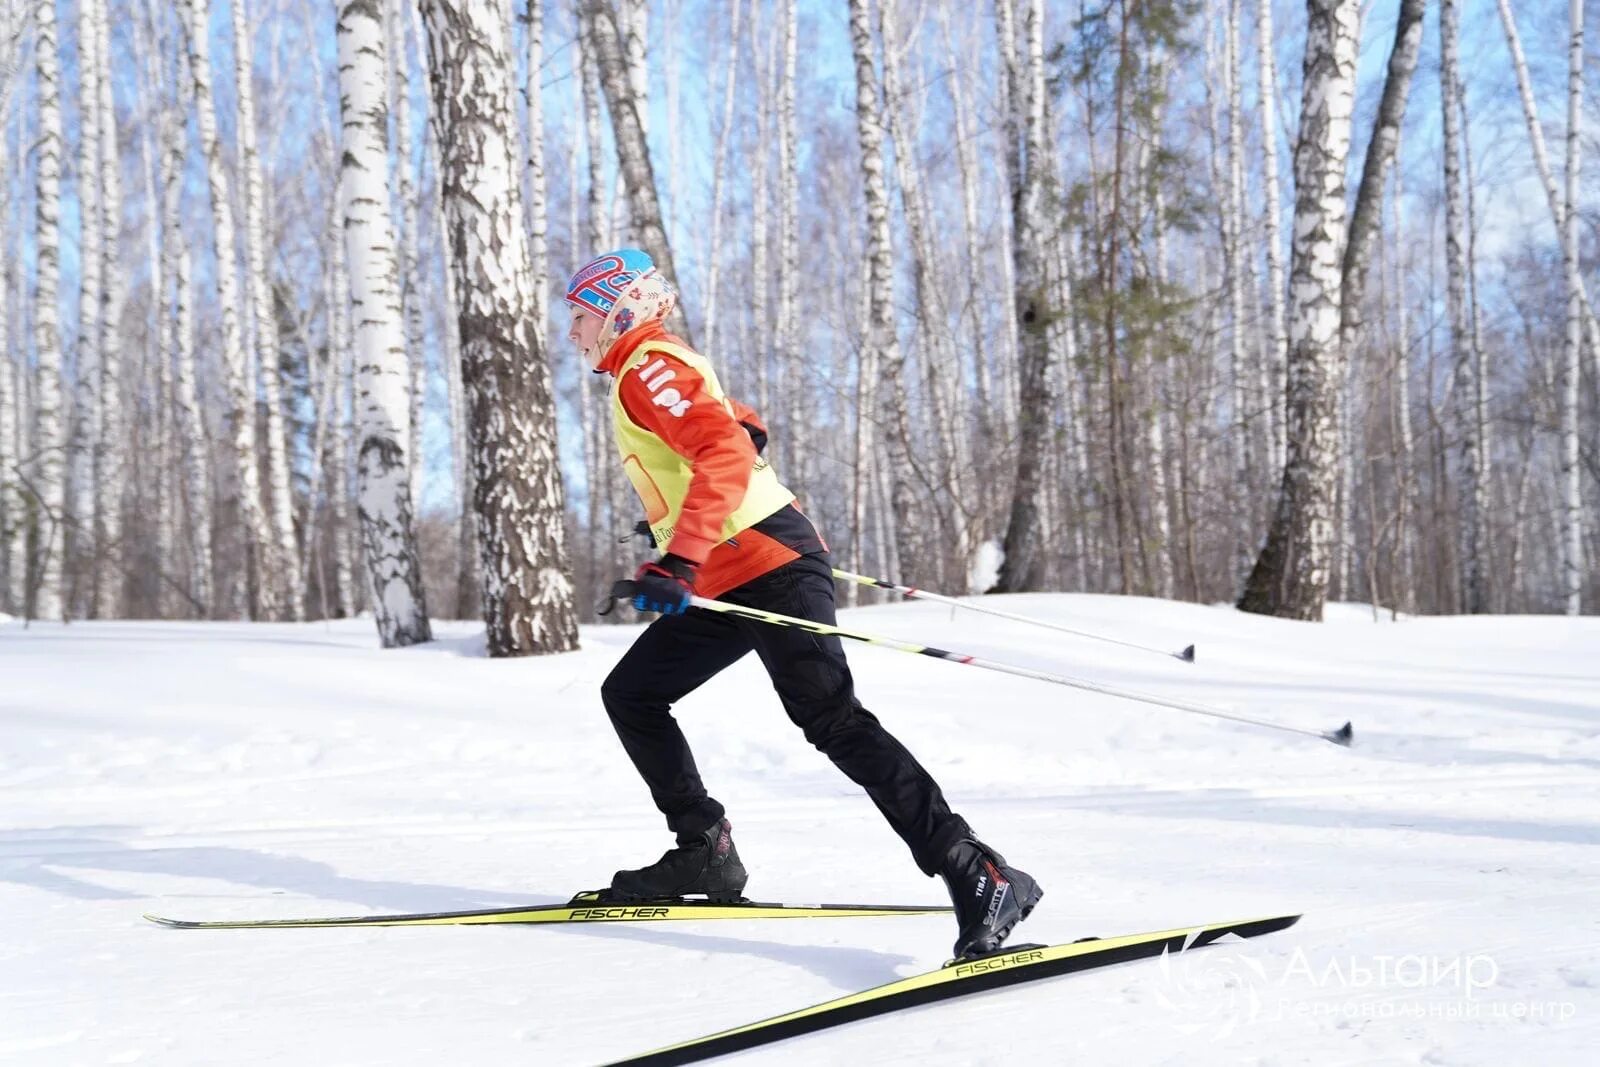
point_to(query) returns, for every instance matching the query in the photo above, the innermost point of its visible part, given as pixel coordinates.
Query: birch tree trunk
(1406, 599)
(383, 416)
(982, 416)
(110, 479)
(1023, 566)
(527, 584)
(282, 593)
(881, 347)
(241, 399)
(719, 166)
(1571, 472)
(341, 367)
(83, 553)
(1290, 577)
(599, 232)
(538, 214)
(178, 346)
(934, 348)
(758, 326)
(1277, 336)
(46, 472)
(628, 131)
(1366, 221)
(469, 602)
(1473, 497)
(395, 19)
(13, 543)
(635, 29)
(1245, 407)
(794, 449)
(1541, 160)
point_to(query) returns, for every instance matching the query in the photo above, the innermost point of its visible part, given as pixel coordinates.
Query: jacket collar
(623, 348)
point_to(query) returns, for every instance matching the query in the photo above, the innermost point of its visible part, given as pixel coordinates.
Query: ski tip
(1187, 655)
(1342, 736)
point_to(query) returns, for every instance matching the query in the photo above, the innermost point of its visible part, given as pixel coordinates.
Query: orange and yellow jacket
(693, 455)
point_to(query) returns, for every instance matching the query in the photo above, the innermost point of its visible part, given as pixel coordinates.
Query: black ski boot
(990, 898)
(702, 863)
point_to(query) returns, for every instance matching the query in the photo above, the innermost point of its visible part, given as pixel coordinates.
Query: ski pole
(624, 590)
(1187, 655)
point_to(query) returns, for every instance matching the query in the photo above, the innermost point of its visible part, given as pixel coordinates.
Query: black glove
(665, 585)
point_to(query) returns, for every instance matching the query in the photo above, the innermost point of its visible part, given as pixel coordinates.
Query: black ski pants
(677, 654)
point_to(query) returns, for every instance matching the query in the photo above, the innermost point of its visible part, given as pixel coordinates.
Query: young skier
(729, 529)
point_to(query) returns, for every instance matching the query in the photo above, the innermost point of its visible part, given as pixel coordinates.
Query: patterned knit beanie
(625, 289)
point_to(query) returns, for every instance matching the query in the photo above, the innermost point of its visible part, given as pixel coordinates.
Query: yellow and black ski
(587, 907)
(959, 978)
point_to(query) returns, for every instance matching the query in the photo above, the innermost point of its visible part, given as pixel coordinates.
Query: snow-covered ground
(1448, 865)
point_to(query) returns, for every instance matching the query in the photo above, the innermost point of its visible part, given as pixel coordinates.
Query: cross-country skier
(731, 530)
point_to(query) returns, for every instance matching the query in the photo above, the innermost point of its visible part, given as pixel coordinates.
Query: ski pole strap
(1342, 736)
(1186, 655)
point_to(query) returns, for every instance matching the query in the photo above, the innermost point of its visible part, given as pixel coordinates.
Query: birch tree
(1277, 337)
(383, 414)
(241, 398)
(110, 443)
(1290, 577)
(794, 444)
(395, 21)
(946, 484)
(342, 370)
(881, 360)
(281, 590)
(13, 543)
(1469, 387)
(538, 215)
(1367, 216)
(1027, 163)
(1571, 472)
(628, 131)
(1541, 161)
(85, 489)
(45, 474)
(719, 166)
(177, 339)
(527, 585)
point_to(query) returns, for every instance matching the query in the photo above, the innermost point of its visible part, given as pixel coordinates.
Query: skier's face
(585, 333)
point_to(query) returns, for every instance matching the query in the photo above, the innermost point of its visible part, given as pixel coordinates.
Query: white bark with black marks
(526, 578)
(13, 542)
(177, 347)
(1571, 472)
(881, 353)
(1277, 333)
(252, 519)
(1541, 160)
(342, 369)
(1290, 577)
(110, 439)
(397, 20)
(282, 592)
(538, 212)
(383, 416)
(1474, 493)
(719, 167)
(82, 558)
(1024, 563)
(45, 474)
(619, 80)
